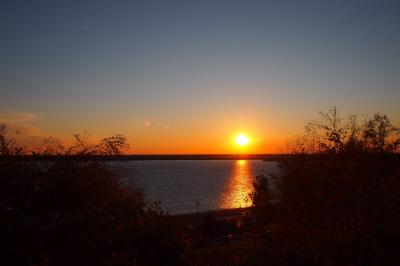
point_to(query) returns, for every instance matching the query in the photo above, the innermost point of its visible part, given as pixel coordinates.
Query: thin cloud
(22, 126)
(26, 135)
(84, 26)
(11, 116)
(21, 129)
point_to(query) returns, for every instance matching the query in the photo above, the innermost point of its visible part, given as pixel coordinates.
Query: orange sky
(187, 77)
(214, 135)
(211, 132)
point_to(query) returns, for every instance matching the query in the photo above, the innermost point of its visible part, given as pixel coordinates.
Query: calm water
(216, 184)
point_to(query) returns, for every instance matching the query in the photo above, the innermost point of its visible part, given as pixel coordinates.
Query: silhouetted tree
(381, 135)
(339, 205)
(78, 212)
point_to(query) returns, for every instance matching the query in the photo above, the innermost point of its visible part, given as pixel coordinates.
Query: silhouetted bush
(78, 210)
(339, 205)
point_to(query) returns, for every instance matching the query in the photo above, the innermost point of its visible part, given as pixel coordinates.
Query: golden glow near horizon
(242, 140)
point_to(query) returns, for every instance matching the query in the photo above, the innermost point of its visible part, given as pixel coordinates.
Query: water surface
(214, 184)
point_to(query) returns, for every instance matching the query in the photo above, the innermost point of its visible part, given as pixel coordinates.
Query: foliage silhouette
(336, 202)
(78, 212)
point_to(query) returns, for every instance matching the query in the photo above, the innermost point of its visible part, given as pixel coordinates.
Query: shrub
(337, 206)
(77, 210)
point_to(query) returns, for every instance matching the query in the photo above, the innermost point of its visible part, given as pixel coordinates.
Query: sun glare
(242, 140)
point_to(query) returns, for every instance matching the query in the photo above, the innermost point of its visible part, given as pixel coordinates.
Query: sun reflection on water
(236, 194)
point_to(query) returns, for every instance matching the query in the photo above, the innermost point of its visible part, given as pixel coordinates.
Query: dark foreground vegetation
(339, 206)
(78, 212)
(336, 202)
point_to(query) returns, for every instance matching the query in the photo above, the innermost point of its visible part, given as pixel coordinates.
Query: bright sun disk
(242, 140)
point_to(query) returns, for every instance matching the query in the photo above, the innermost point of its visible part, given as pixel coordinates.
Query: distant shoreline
(149, 157)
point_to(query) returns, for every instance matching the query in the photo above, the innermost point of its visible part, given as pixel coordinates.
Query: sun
(242, 140)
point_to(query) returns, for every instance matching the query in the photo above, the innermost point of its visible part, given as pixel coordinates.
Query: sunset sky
(189, 76)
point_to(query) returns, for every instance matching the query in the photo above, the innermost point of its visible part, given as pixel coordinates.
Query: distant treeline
(265, 157)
